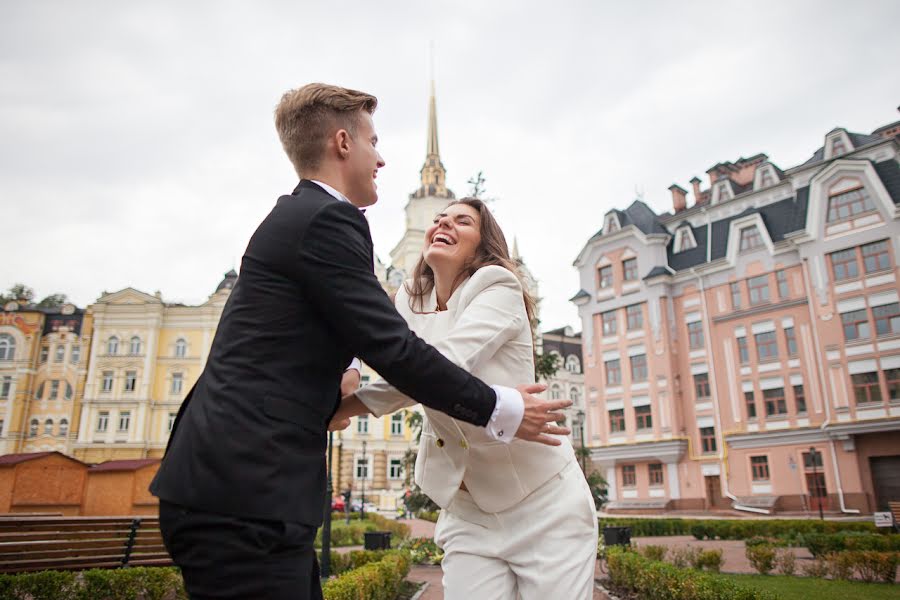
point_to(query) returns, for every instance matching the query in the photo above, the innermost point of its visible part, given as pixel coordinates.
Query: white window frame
(102, 421)
(7, 347)
(124, 421)
(112, 345)
(180, 348)
(362, 424)
(177, 383)
(397, 423)
(395, 469)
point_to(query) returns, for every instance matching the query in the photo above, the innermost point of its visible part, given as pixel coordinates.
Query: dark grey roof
(581, 294)
(657, 271)
(562, 331)
(228, 282)
(857, 139)
(889, 172)
(641, 216)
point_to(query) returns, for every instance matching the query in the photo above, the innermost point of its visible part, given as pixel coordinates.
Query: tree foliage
(546, 365)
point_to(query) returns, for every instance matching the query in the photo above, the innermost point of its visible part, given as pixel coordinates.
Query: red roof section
(125, 465)
(14, 459)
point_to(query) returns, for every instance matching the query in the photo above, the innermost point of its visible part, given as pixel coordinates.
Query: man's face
(363, 163)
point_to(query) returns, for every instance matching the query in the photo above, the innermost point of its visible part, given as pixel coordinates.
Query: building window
(775, 403)
(573, 365)
(701, 387)
(695, 335)
(628, 476)
(630, 269)
(40, 391)
(837, 147)
(130, 380)
(575, 396)
(735, 295)
(635, 317)
(876, 257)
(555, 392)
(180, 348)
(800, 399)
(124, 420)
(606, 276)
(781, 280)
(608, 319)
(60, 354)
(790, 339)
(45, 352)
(849, 204)
(177, 382)
(362, 468)
(613, 372)
(112, 345)
(102, 421)
(33, 427)
(812, 460)
(395, 470)
(643, 417)
(656, 473)
(135, 345)
(865, 388)
(750, 401)
(759, 289)
(856, 325)
(617, 420)
(171, 422)
(75, 357)
(7, 347)
(685, 240)
(5, 387)
(397, 423)
(54, 389)
(892, 377)
(759, 466)
(743, 351)
(766, 346)
(887, 319)
(638, 368)
(107, 381)
(708, 439)
(766, 179)
(844, 264)
(362, 424)
(64, 427)
(1, 427)
(750, 239)
(48, 427)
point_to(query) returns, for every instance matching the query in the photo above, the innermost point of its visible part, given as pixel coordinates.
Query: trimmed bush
(635, 574)
(786, 561)
(762, 558)
(684, 557)
(710, 560)
(841, 565)
(876, 566)
(817, 568)
(423, 551)
(735, 529)
(651, 552)
(379, 580)
(820, 544)
(147, 583)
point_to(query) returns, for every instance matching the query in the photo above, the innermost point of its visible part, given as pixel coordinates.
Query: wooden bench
(78, 543)
(895, 511)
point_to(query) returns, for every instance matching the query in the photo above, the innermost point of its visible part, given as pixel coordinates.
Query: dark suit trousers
(226, 557)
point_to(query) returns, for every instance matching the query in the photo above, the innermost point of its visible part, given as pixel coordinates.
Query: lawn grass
(804, 588)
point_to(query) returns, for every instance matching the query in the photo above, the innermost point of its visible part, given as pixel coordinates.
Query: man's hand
(338, 424)
(540, 419)
(349, 382)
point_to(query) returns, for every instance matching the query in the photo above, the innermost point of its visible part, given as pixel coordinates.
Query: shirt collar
(331, 191)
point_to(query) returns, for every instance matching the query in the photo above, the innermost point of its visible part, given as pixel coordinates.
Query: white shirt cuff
(508, 414)
(355, 364)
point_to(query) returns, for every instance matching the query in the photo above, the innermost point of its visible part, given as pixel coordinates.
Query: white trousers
(544, 547)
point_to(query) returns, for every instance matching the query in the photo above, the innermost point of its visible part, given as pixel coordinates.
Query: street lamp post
(326, 526)
(362, 505)
(818, 492)
(580, 415)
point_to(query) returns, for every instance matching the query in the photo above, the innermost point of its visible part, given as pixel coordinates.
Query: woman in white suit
(518, 519)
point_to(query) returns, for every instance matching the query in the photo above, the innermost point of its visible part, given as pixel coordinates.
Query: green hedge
(429, 515)
(378, 580)
(631, 572)
(147, 583)
(734, 529)
(820, 544)
(353, 534)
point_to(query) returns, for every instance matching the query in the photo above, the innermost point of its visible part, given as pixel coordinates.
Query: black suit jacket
(250, 438)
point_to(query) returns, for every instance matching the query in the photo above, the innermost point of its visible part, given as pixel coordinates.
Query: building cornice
(763, 439)
(666, 451)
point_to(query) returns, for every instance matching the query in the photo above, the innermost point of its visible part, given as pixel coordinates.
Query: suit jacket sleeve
(335, 269)
(493, 313)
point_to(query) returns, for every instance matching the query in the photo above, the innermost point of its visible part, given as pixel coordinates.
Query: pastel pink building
(744, 352)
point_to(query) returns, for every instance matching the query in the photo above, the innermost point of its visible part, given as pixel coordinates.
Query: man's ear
(342, 143)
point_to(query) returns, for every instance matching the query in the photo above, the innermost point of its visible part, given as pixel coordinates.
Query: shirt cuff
(508, 414)
(355, 364)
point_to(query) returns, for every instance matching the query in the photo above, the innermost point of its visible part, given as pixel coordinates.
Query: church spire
(433, 173)
(432, 126)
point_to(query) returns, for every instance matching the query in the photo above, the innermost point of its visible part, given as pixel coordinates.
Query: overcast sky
(137, 146)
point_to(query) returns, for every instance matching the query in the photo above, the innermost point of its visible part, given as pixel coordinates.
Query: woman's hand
(351, 406)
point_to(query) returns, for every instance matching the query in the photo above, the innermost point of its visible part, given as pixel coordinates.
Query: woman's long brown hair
(492, 250)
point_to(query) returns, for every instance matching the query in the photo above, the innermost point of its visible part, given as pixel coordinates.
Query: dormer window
(723, 192)
(766, 179)
(750, 239)
(684, 239)
(837, 146)
(849, 204)
(612, 224)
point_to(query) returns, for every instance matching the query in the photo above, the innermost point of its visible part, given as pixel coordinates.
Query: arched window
(33, 427)
(68, 391)
(60, 354)
(112, 346)
(7, 347)
(135, 345)
(64, 427)
(555, 392)
(574, 395)
(180, 348)
(48, 427)
(573, 365)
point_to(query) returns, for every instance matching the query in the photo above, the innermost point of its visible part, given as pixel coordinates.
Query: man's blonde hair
(307, 116)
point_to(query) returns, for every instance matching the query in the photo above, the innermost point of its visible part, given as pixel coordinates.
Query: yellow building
(145, 357)
(42, 372)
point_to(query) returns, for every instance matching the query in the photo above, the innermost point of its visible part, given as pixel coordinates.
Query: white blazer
(484, 330)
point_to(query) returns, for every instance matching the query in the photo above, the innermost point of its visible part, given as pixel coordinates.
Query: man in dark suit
(242, 484)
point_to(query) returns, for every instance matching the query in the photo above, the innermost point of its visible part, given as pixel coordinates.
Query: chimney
(679, 197)
(695, 181)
